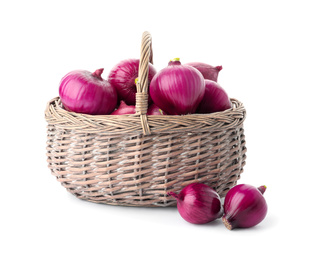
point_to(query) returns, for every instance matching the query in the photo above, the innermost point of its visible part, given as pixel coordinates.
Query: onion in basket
(177, 89)
(155, 110)
(124, 109)
(81, 91)
(215, 98)
(208, 71)
(123, 77)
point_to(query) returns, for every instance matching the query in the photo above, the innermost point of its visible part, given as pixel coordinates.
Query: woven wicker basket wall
(135, 160)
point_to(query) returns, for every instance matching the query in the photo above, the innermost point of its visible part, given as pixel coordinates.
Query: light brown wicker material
(135, 160)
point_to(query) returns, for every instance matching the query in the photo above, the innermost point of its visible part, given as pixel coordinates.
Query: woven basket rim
(56, 115)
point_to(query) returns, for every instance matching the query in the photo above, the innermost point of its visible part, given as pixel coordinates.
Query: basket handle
(142, 83)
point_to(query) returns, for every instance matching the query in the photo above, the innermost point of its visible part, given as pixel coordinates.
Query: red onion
(123, 77)
(215, 98)
(197, 203)
(155, 110)
(83, 92)
(177, 89)
(124, 109)
(244, 206)
(208, 71)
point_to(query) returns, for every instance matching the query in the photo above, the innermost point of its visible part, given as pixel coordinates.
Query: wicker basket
(135, 160)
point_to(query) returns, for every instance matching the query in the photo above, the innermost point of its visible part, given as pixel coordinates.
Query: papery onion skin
(177, 89)
(122, 77)
(124, 109)
(153, 109)
(84, 92)
(208, 71)
(215, 99)
(244, 206)
(197, 203)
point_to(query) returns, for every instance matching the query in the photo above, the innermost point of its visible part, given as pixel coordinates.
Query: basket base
(142, 204)
(159, 203)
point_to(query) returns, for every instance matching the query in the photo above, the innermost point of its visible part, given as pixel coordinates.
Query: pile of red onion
(244, 206)
(175, 90)
(84, 92)
(186, 89)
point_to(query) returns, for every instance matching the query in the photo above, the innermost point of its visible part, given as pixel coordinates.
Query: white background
(266, 50)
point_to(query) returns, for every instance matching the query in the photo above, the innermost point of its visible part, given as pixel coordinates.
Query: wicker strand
(142, 84)
(124, 124)
(141, 103)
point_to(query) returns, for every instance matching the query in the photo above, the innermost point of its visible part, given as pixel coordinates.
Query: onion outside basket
(135, 160)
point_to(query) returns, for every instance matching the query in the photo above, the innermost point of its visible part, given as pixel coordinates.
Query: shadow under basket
(135, 160)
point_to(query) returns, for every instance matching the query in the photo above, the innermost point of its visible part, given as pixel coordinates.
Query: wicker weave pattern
(112, 125)
(98, 161)
(134, 160)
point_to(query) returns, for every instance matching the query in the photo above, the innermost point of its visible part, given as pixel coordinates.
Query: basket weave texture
(135, 160)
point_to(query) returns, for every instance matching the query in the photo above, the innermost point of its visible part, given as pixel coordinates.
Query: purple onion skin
(177, 89)
(155, 110)
(208, 71)
(197, 203)
(123, 76)
(84, 92)
(215, 99)
(124, 109)
(244, 207)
